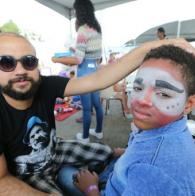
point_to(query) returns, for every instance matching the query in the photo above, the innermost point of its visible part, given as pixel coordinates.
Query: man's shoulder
(52, 85)
(49, 80)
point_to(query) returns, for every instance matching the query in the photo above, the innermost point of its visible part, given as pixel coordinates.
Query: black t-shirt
(27, 137)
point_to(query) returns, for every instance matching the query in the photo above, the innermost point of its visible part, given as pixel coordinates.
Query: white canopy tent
(65, 7)
(185, 28)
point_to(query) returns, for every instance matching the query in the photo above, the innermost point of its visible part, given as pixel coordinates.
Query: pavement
(116, 127)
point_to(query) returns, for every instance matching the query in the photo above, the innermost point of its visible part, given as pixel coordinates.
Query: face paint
(157, 88)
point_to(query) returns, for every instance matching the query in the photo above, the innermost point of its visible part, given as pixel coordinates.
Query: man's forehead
(10, 38)
(11, 44)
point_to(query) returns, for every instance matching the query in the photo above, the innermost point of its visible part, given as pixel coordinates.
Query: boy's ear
(190, 104)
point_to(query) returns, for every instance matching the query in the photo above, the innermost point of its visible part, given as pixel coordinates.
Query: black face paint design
(139, 81)
(164, 84)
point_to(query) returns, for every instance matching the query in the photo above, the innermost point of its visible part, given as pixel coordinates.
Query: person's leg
(44, 182)
(95, 96)
(86, 103)
(104, 175)
(66, 173)
(65, 180)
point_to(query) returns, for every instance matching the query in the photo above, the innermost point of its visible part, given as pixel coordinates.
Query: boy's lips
(141, 115)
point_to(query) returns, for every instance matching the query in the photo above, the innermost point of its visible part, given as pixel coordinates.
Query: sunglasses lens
(29, 62)
(7, 63)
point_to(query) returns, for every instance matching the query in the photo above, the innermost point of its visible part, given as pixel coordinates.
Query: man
(160, 156)
(27, 123)
(161, 33)
(28, 146)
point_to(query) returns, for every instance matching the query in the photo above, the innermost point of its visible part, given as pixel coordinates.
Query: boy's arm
(112, 73)
(11, 186)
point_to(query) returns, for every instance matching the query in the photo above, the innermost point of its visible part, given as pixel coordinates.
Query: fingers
(84, 174)
(53, 59)
(118, 151)
(84, 179)
(95, 174)
(84, 171)
(181, 42)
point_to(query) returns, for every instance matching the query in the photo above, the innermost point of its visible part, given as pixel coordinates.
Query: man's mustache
(21, 78)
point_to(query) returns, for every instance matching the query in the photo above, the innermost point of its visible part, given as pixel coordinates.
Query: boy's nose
(146, 100)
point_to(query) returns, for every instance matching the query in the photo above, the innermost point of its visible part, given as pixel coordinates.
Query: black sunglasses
(8, 63)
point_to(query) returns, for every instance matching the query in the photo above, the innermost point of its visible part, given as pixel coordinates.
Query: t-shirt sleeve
(53, 86)
(144, 179)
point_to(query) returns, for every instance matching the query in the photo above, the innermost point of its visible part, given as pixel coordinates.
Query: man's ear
(190, 104)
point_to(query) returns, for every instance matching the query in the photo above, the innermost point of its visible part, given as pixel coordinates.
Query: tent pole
(70, 21)
(178, 28)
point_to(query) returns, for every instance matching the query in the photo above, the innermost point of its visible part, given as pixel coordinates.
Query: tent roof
(65, 7)
(185, 28)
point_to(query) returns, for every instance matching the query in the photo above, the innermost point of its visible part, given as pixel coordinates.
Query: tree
(10, 26)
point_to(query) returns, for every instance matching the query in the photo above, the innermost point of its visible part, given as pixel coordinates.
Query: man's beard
(8, 89)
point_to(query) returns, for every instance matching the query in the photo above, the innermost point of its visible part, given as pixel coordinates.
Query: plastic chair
(108, 95)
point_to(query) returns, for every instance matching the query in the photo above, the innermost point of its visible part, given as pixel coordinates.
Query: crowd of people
(160, 154)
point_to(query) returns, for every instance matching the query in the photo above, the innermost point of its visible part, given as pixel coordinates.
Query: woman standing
(88, 52)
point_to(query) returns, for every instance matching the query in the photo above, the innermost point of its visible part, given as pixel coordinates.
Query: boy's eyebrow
(164, 84)
(138, 81)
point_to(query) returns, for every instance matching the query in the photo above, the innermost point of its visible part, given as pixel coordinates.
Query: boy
(160, 156)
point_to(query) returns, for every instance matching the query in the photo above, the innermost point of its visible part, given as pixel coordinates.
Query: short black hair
(161, 29)
(180, 58)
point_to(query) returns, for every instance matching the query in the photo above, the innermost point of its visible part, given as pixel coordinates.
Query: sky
(119, 24)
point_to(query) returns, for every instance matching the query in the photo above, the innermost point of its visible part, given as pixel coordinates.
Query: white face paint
(161, 89)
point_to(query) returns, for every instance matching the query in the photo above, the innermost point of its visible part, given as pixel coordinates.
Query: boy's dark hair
(184, 60)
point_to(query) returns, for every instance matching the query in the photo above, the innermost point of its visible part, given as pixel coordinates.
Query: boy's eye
(163, 95)
(137, 89)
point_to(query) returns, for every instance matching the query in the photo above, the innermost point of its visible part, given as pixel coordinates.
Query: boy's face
(160, 35)
(159, 94)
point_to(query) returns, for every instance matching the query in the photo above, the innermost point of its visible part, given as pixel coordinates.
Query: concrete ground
(115, 127)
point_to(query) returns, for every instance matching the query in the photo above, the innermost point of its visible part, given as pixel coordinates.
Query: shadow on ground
(116, 127)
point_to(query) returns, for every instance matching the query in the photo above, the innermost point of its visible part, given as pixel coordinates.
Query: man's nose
(146, 100)
(19, 68)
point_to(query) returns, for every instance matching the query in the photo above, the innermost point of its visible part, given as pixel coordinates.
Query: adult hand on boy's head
(179, 42)
(184, 44)
(84, 179)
